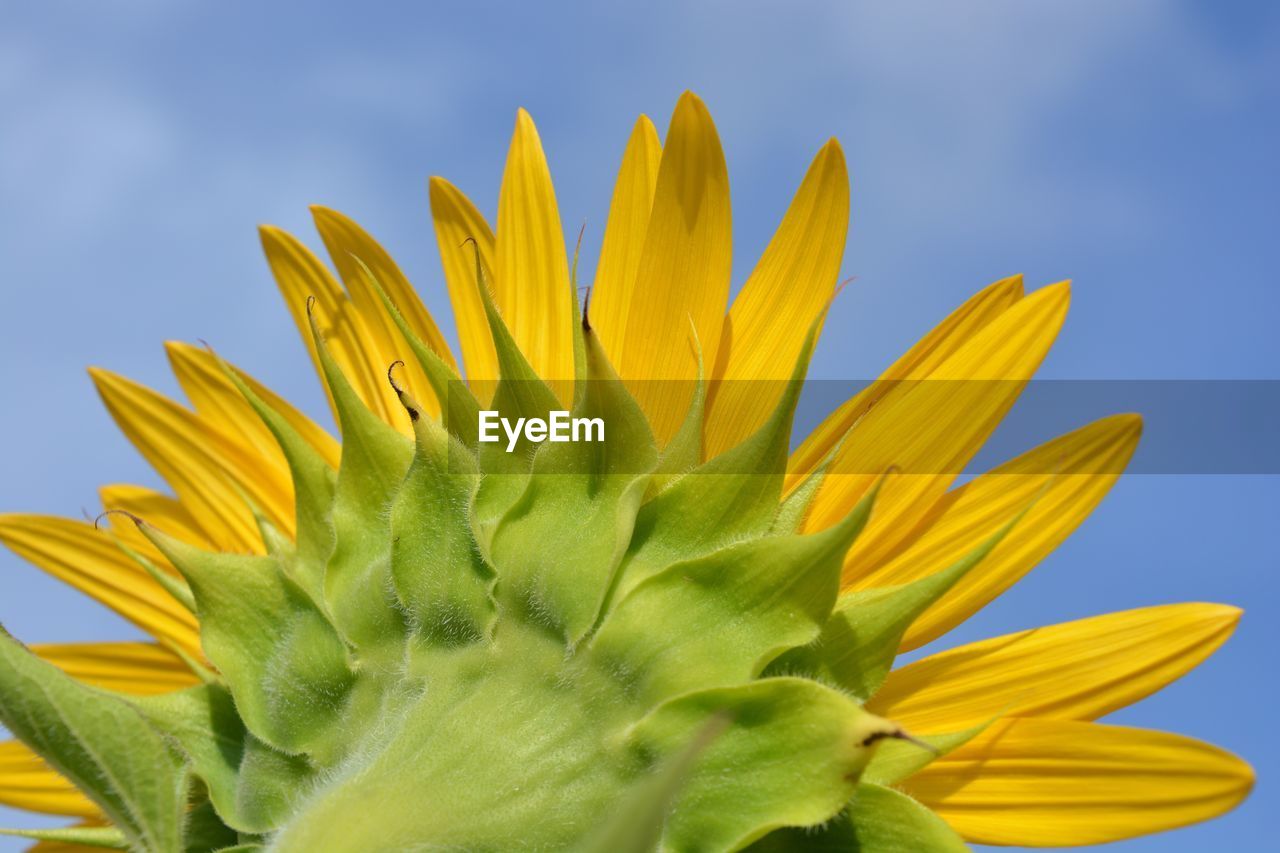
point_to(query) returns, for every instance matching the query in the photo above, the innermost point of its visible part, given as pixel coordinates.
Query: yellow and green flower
(682, 638)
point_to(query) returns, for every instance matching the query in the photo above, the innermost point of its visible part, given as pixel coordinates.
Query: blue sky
(1128, 146)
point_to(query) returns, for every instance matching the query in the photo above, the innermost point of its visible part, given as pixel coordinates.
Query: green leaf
(99, 742)
(791, 756)
(879, 820)
(284, 662)
(860, 641)
(556, 549)
(727, 499)
(720, 619)
(85, 836)
(440, 578)
(375, 457)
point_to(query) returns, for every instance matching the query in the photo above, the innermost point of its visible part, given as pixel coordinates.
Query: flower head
(681, 636)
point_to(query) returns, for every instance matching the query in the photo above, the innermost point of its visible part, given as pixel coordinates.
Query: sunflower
(698, 644)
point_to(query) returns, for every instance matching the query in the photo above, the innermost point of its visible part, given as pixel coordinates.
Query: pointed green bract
(720, 619)
(100, 743)
(441, 579)
(878, 820)
(899, 759)
(269, 786)
(357, 580)
(791, 756)
(684, 451)
(728, 499)
(282, 659)
(459, 407)
(861, 639)
(106, 837)
(313, 485)
(204, 722)
(556, 549)
(521, 393)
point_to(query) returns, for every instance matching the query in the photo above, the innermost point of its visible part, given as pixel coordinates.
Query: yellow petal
(143, 669)
(87, 559)
(456, 221)
(624, 234)
(384, 340)
(1074, 671)
(930, 429)
(192, 458)
(788, 290)
(1049, 783)
(218, 402)
(159, 510)
(209, 390)
(683, 273)
(349, 334)
(531, 276)
(26, 782)
(222, 408)
(1061, 482)
(917, 363)
(345, 239)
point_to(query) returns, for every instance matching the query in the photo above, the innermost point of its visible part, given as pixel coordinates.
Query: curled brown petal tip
(97, 522)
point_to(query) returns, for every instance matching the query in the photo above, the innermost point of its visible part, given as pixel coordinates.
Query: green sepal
(720, 619)
(107, 837)
(270, 784)
(732, 497)
(861, 639)
(795, 506)
(205, 831)
(252, 788)
(175, 586)
(283, 661)
(204, 722)
(683, 452)
(313, 485)
(375, 457)
(901, 758)
(440, 578)
(580, 326)
(791, 756)
(521, 393)
(878, 820)
(98, 741)
(556, 549)
(459, 409)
